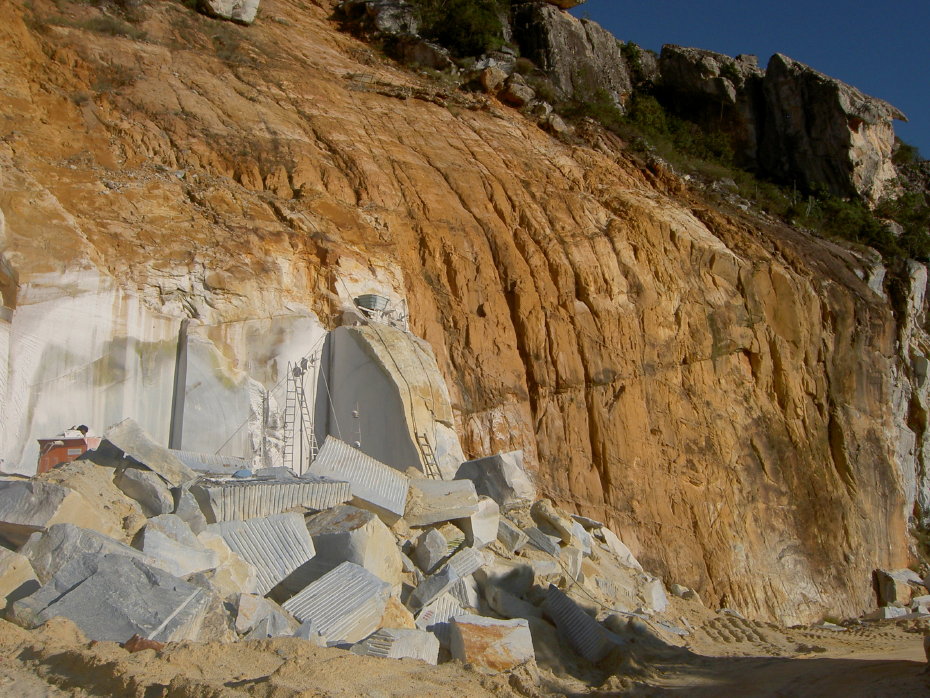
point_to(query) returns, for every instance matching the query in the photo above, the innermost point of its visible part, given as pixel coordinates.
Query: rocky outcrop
(716, 88)
(716, 388)
(824, 132)
(241, 11)
(579, 56)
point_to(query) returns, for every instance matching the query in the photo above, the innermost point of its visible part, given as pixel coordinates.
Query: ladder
(299, 437)
(429, 457)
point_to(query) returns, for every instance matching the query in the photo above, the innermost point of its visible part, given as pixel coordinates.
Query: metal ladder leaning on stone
(295, 404)
(429, 457)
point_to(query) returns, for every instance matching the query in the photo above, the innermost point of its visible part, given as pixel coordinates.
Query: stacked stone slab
(276, 545)
(233, 500)
(374, 485)
(343, 606)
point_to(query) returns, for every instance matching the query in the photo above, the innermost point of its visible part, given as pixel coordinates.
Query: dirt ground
(724, 656)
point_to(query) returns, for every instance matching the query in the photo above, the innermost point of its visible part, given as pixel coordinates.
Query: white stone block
(400, 643)
(275, 546)
(374, 485)
(481, 527)
(436, 501)
(501, 477)
(491, 645)
(344, 605)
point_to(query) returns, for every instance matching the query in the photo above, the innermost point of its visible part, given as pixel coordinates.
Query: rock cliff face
(826, 132)
(579, 56)
(727, 393)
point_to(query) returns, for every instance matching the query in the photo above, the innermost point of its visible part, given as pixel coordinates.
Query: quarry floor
(724, 657)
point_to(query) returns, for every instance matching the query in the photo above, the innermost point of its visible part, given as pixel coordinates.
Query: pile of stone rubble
(131, 541)
(902, 595)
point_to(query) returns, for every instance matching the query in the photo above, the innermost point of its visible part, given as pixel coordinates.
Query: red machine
(65, 447)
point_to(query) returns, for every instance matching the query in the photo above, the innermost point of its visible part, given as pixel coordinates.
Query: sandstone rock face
(820, 130)
(579, 56)
(718, 390)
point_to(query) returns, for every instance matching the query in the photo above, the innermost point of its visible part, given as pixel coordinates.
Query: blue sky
(881, 48)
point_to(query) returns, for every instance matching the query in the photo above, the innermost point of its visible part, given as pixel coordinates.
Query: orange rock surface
(716, 387)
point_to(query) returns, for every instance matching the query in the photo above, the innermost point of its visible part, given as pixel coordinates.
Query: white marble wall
(81, 351)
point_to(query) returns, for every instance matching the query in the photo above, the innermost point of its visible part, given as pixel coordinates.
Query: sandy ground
(725, 656)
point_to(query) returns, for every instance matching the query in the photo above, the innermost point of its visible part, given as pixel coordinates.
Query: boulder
(50, 551)
(239, 11)
(501, 477)
(510, 537)
(348, 534)
(344, 605)
(819, 131)
(147, 488)
(436, 501)
(516, 93)
(400, 643)
(127, 445)
(186, 507)
(431, 549)
(481, 527)
(542, 541)
(506, 605)
(260, 618)
(491, 645)
(579, 56)
(552, 521)
(491, 79)
(620, 551)
(654, 596)
(462, 564)
(886, 613)
(173, 547)
(396, 615)
(17, 578)
(414, 51)
(232, 574)
(514, 577)
(378, 17)
(112, 597)
(121, 516)
(896, 587)
(30, 506)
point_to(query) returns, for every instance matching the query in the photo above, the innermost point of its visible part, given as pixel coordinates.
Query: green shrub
(465, 27)
(904, 153)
